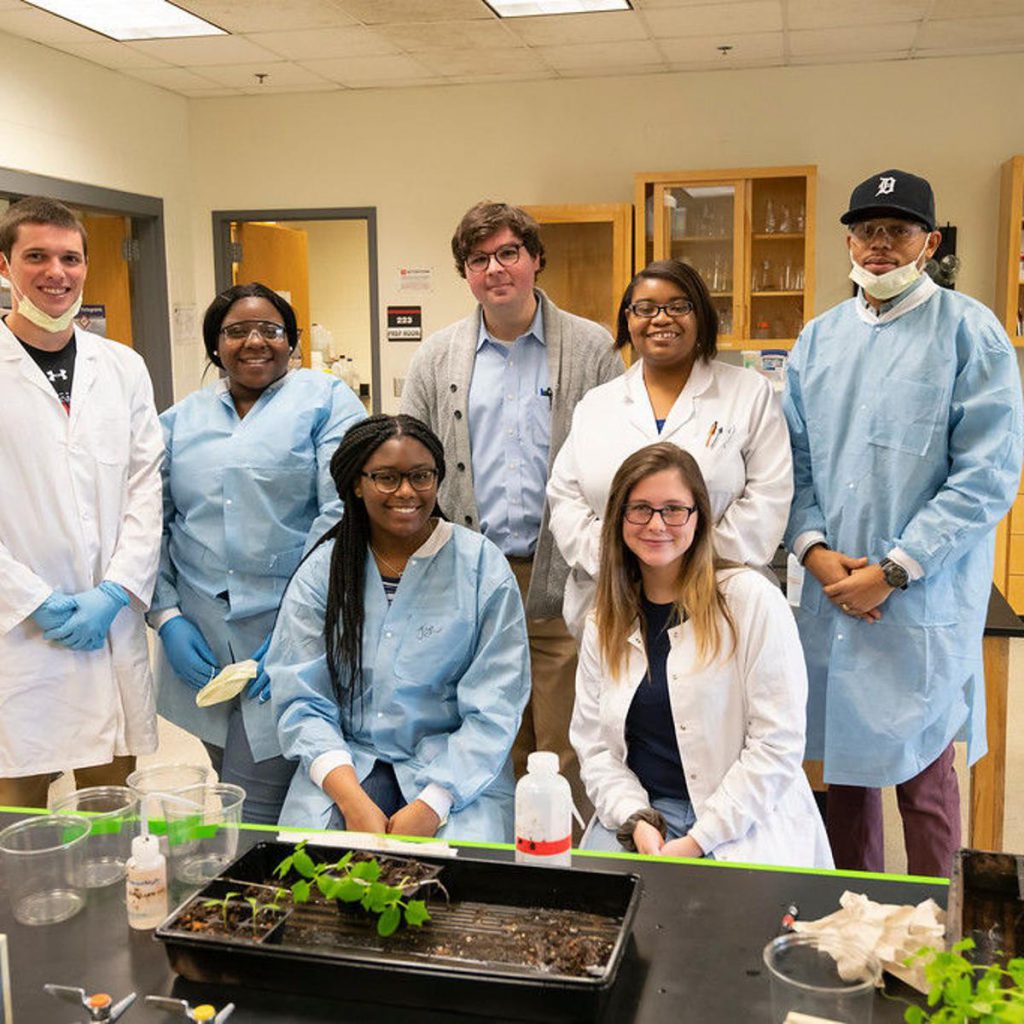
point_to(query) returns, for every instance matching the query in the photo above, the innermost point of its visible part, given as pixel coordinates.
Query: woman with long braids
(399, 661)
(691, 687)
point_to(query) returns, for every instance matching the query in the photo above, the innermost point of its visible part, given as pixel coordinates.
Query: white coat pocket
(906, 415)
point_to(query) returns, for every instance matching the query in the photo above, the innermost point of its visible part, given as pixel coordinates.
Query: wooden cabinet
(1010, 256)
(588, 257)
(749, 232)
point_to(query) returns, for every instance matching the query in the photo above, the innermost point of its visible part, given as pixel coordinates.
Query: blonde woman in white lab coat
(725, 416)
(691, 688)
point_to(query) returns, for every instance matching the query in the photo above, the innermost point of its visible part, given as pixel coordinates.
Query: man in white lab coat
(80, 522)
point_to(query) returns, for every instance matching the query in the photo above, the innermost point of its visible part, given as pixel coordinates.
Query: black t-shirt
(58, 367)
(652, 753)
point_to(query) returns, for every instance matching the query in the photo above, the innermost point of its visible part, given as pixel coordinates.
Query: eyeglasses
(640, 514)
(507, 256)
(387, 481)
(266, 329)
(649, 309)
(895, 234)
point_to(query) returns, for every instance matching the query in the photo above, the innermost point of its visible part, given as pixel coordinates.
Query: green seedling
(224, 904)
(354, 883)
(964, 992)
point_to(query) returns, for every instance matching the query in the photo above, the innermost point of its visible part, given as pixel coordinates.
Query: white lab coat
(739, 725)
(81, 504)
(748, 467)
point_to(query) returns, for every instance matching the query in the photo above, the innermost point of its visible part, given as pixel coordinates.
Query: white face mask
(34, 315)
(890, 284)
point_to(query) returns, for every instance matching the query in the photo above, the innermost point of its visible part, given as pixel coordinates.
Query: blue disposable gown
(906, 434)
(446, 675)
(243, 500)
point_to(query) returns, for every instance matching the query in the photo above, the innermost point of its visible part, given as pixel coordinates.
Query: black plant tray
(454, 962)
(986, 903)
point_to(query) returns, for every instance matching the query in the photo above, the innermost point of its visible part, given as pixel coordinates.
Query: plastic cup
(150, 783)
(805, 978)
(111, 809)
(42, 859)
(202, 830)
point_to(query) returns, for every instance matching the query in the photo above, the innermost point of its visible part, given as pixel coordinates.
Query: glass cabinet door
(701, 225)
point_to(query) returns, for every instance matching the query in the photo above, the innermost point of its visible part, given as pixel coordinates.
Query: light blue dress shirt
(906, 429)
(510, 436)
(244, 498)
(446, 674)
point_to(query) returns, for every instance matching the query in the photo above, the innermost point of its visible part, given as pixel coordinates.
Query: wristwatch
(895, 575)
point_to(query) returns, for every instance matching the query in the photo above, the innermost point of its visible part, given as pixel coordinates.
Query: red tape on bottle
(539, 848)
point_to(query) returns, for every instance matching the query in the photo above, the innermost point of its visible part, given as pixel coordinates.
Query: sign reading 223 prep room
(405, 323)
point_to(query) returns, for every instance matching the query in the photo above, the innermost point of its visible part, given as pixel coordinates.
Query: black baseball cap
(892, 194)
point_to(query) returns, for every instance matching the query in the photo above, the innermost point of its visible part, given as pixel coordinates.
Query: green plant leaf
(379, 896)
(326, 884)
(300, 892)
(389, 920)
(367, 870)
(416, 913)
(343, 863)
(284, 867)
(303, 863)
(349, 891)
(914, 1015)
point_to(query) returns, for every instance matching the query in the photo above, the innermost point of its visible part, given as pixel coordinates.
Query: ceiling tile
(536, 76)
(715, 19)
(174, 79)
(870, 40)
(384, 12)
(204, 50)
(647, 5)
(516, 61)
(807, 14)
(322, 85)
(46, 28)
(592, 57)
(967, 33)
(243, 76)
(567, 29)
(267, 15)
(455, 35)
(753, 46)
(352, 70)
(976, 8)
(111, 54)
(320, 44)
(203, 94)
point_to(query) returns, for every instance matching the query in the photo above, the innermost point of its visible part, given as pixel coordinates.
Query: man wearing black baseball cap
(904, 409)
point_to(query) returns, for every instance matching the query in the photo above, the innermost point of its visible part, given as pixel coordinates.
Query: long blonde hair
(619, 580)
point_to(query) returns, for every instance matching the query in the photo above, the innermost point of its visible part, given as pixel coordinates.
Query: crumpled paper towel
(889, 931)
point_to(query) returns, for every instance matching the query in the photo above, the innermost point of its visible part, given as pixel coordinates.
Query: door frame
(151, 323)
(222, 220)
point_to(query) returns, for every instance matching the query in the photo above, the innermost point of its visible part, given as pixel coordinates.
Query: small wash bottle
(543, 813)
(146, 883)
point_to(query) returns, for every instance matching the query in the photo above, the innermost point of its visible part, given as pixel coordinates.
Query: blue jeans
(381, 787)
(265, 782)
(679, 817)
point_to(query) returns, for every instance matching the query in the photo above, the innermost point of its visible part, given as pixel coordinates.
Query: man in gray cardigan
(499, 389)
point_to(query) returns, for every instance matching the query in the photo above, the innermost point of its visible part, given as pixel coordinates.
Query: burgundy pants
(929, 805)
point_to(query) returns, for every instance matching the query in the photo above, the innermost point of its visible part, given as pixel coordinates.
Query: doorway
(324, 262)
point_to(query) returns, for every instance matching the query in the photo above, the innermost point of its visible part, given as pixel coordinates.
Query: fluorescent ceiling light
(709, 191)
(534, 8)
(130, 19)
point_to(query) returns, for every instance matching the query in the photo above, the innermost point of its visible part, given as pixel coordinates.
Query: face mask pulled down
(34, 315)
(888, 285)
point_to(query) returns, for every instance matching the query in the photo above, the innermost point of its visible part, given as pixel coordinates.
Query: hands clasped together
(851, 584)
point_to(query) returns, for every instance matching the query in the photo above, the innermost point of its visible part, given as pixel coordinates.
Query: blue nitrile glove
(86, 628)
(259, 688)
(188, 652)
(54, 611)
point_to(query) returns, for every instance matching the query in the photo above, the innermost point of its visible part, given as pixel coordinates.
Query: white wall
(68, 118)
(423, 156)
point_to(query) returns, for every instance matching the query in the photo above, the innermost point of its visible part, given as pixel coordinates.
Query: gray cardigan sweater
(580, 356)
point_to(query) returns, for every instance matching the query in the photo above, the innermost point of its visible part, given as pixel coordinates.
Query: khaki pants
(545, 723)
(31, 790)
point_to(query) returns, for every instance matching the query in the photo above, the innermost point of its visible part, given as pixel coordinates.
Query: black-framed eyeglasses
(507, 255)
(648, 309)
(640, 513)
(266, 329)
(387, 481)
(895, 234)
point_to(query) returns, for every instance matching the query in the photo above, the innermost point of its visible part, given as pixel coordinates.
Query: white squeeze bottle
(543, 813)
(146, 883)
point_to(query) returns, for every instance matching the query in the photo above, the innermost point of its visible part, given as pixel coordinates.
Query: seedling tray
(508, 942)
(986, 903)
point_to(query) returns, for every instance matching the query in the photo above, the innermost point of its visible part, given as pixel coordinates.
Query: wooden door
(279, 258)
(107, 282)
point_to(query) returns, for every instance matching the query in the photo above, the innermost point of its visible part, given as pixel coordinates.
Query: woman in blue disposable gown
(399, 660)
(247, 490)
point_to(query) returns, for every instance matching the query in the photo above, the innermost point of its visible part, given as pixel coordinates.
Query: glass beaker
(202, 830)
(822, 977)
(111, 810)
(42, 860)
